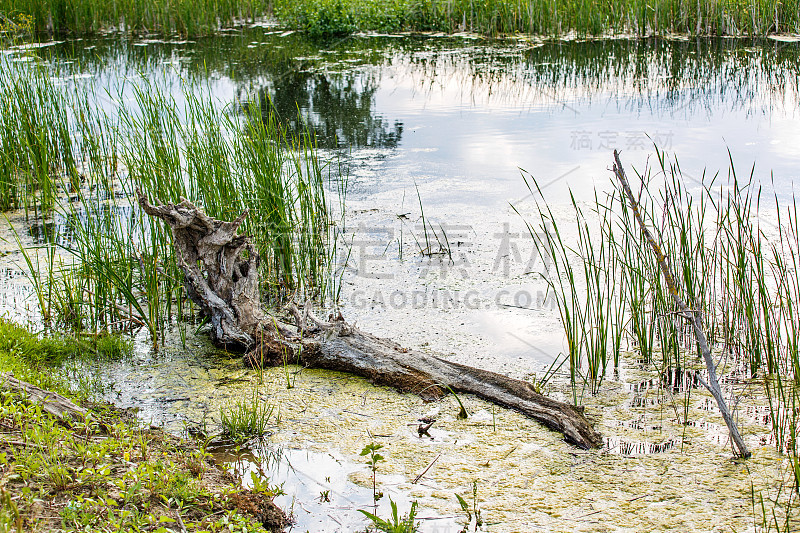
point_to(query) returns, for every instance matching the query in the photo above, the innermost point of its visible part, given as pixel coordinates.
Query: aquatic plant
(583, 281)
(693, 316)
(472, 512)
(541, 17)
(36, 145)
(106, 268)
(734, 262)
(462, 411)
(442, 245)
(188, 18)
(396, 523)
(246, 418)
(325, 18)
(260, 484)
(373, 459)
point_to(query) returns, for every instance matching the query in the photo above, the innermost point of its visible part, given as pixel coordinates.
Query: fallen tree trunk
(51, 402)
(222, 281)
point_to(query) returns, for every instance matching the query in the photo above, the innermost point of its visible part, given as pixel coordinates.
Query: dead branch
(694, 317)
(51, 402)
(221, 272)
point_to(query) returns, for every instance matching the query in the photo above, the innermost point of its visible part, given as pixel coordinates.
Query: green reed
(247, 418)
(543, 17)
(736, 262)
(189, 18)
(583, 280)
(36, 146)
(194, 18)
(109, 267)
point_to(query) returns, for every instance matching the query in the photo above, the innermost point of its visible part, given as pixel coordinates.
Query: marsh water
(443, 126)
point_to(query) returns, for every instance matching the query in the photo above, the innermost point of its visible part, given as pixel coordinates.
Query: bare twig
(180, 522)
(416, 479)
(694, 317)
(21, 443)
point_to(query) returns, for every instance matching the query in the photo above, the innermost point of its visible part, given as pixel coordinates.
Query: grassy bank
(107, 472)
(194, 18)
(188, 18)
(543, 17)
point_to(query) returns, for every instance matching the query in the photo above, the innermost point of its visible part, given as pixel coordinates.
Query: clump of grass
(36, 145)
(442, 245)
(395, 523)
(230, 163)
(246, 418)
(10, 518)
(45, 360)
(107, 268)
(583, 280)
(542, 17)
(189, 18)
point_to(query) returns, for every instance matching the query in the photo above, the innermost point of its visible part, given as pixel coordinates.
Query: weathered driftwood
(51, 402)
(228, 293)
(221, 277)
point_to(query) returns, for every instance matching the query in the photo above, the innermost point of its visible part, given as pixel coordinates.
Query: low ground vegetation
(107, 472)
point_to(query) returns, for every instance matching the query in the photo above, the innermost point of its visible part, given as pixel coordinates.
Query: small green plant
(473, 514)
(261, 484)
(15, 29)
(442, 246)
(540, 382)
(246, 418)
(371, 450)
(59, 475)
(10, 519)
(396, 524)
(462, 412)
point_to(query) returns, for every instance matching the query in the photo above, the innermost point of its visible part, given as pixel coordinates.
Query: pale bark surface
(228, 292)
(220, 270)
(51, 402)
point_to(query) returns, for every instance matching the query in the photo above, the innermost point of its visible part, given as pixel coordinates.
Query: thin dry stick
(693, 316)
(180, 522)
(416, 479)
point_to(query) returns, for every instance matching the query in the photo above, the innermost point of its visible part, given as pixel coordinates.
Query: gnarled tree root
(222, 281)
